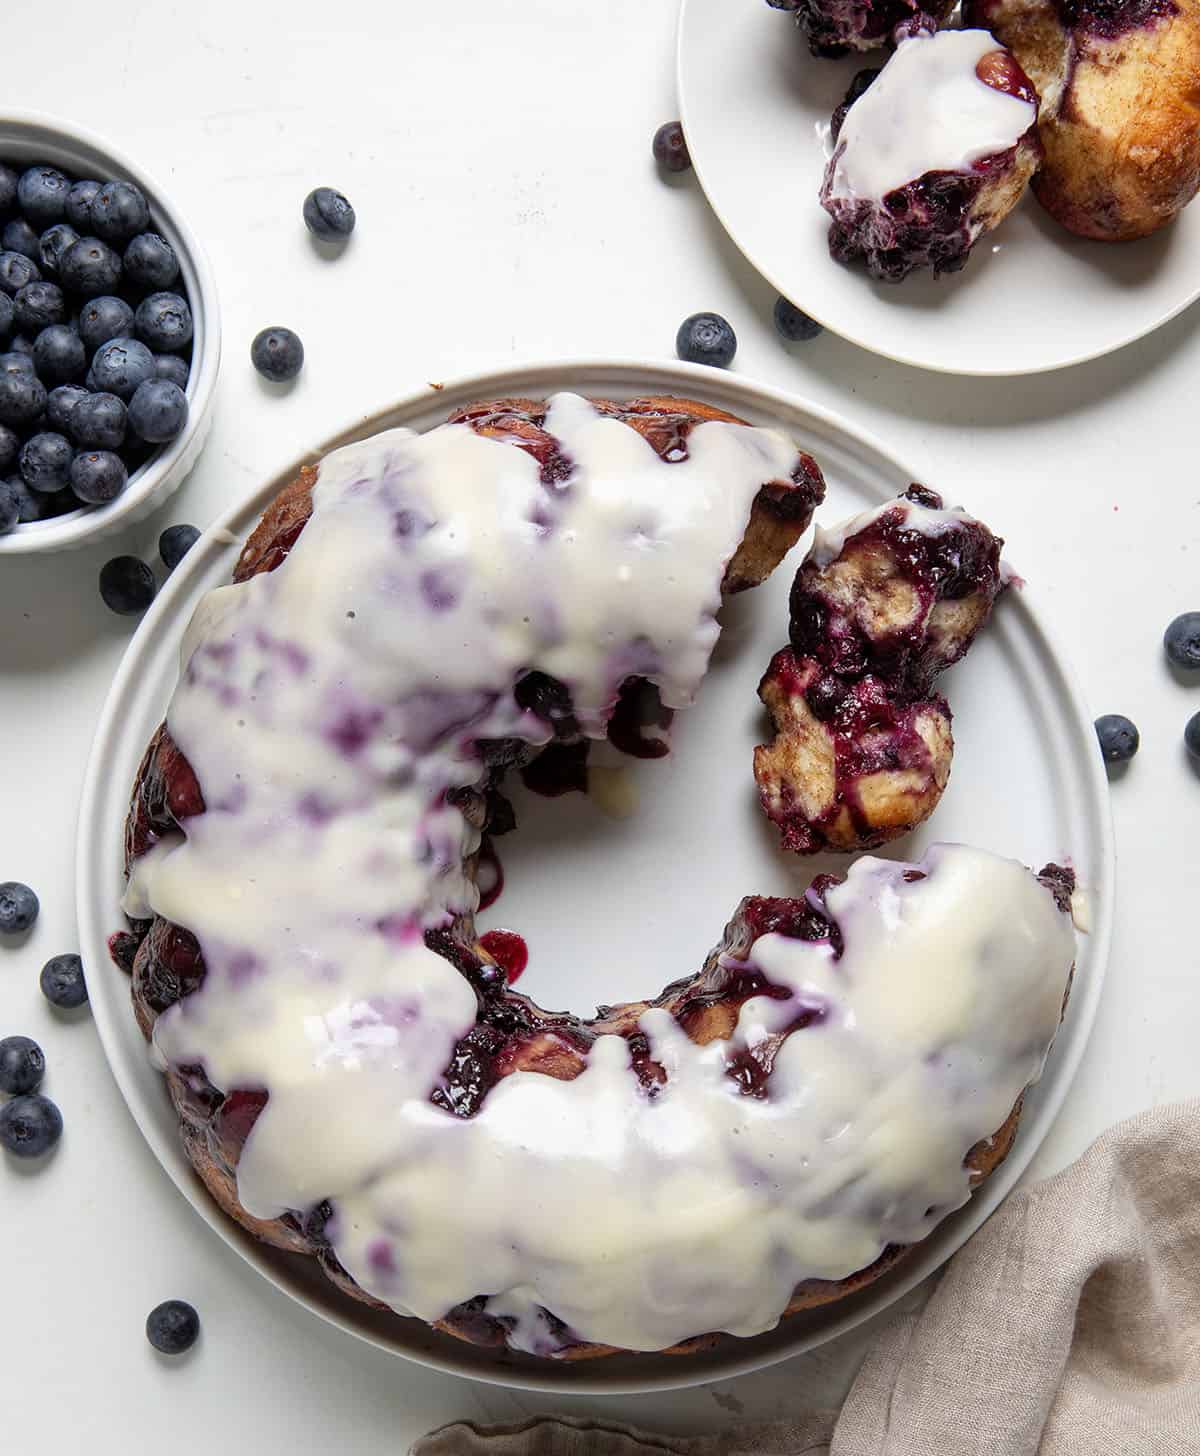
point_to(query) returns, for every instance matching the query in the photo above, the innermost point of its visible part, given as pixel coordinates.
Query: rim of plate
(854, 337)
(99, 834)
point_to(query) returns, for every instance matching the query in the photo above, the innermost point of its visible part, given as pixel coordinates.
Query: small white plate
(1031, 297)
(615, 909)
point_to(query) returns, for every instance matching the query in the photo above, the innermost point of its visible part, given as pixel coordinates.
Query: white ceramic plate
(614, 909)
(1032, 296)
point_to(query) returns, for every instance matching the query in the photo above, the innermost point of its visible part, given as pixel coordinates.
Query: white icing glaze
(927, 112)
(327, 706)
(829, 543)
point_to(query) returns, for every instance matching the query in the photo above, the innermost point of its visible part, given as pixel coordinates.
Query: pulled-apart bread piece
(929, 154)
(1120, 118)
(862, 744)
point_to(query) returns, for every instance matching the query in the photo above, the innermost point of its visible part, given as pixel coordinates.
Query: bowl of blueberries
(110, 339)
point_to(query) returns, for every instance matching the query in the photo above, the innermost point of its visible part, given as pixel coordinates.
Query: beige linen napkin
(1070, 1324)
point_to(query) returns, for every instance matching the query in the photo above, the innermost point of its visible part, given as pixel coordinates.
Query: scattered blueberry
(173, 1327)
(119, 366)
(10, 506)
(10, 449)
(97, 422)
(706, 338)
(62, 982)
(97, 476)
(127, 585)
(46, 461)
(22, 344)
(6, 315)
(150, 261)
(30, 1126)
(38, 305)
(1182, 640)
(19, 237)
(104, 318)
(119, 210)
(170, 367)
(164, 322)
(22, 395)
(60, 402)
(670, 148)
(16, 364)
(1191, 736)
(42, 195)
(53, 243)
(1118, 737)
(79, 204)
(18, 907)
(277, 354)
(90, 267)
(16, 270)
(174, 544)
(328, 214)
(158, 411)
(22, 1065)
(58, 354)
(8, 187)
(793, 323)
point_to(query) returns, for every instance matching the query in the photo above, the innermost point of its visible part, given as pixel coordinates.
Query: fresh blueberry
(164, 322)
(170, 367)
(98, 476)
(104, 318)
(328, 214)
(16, 363)
(62, 982)
(173, 1327)
(174, 544)
(1118, 737)
(793, 323)
(1191, 736)
(1182, 641)
(38, 305)
(16, 270)
(119, 211)
(706, 338)
(119, 366)
(8, 188)
(10, 507)
(30, 1126)
(79, 204)
(6, 315)
(277, 354)
(90, 267)
(53, 243)
(22, 1065)
(60, 402)
(22, 395)
(46, 461)
(127, 585)
(670, 148)
(18, 907)
(30, 505)
(19, 237)
(98, 422)
(22, 344)
(150, 261)
(42, 195)
(10, 448)
(58, 354)
(158, 411)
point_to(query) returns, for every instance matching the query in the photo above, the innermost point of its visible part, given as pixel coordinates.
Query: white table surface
(497, 152)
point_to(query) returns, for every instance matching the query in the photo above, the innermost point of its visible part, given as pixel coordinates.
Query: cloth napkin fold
(1069, 1325)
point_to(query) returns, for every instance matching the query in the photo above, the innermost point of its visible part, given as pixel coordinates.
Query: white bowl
(26, 136)
(1027, 781)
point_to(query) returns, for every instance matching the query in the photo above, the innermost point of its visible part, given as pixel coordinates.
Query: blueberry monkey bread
(862, 742)
(354, 1078)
